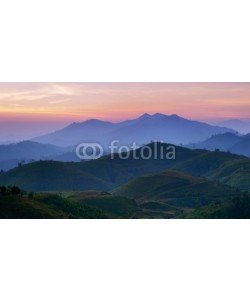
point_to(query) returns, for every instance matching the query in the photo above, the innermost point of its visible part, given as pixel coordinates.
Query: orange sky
(67, 102)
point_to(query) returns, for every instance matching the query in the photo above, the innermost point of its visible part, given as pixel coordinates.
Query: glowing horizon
(67, 102)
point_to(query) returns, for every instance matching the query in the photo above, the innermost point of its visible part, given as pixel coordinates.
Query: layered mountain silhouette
(201, 180)
(60, 145)
(226, 142)
(107, 174)
(168, 128)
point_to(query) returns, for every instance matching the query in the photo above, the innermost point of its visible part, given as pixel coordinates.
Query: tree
(15, 190)
(21, 163)
(3, 190)
(31, 195)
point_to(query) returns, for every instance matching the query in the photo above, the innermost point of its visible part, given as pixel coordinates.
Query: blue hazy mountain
(168, 128)
(6, 165)
(242, 147)
(75, 133)
(231, 142)
(238, 125)
(28, 149)
(12, 154)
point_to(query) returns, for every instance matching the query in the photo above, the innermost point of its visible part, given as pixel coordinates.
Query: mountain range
(60, 145)
(200, 181)
(168, 128)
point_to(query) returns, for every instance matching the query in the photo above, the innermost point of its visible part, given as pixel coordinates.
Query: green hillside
(74, 205)
(227, 168)
(176, 189)
(53, 176)
(236, 208)
(112, 205)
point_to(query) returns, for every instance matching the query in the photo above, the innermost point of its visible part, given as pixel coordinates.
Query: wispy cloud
(17, 104)
(59, 101)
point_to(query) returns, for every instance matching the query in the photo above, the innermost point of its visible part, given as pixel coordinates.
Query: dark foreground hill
(79, 205)
(15, 204)
(108, 173)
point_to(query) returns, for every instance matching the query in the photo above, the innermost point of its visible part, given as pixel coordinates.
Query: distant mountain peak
(144, 116)
(87, 122)
(159, 115)
(174, 116)
(94, 121)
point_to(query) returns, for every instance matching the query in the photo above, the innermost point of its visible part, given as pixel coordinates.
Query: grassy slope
(51, 175)
(113, 206)
(116, 206)
(176, 189)
(227, 168)
(236, 208)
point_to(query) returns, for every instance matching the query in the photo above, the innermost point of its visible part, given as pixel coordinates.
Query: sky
(29, 109)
